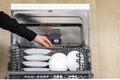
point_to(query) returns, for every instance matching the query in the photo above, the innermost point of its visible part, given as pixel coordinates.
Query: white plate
(57, 62)
(36, 69)
(71, 60)
(37, 57)
(37, 51)
(35, 63)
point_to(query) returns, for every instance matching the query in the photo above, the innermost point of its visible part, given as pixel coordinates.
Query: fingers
(46, 40)
(43, 41)
(45, 44)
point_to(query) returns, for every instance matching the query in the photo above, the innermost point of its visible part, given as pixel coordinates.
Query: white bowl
(37, 57)
(57, 62)
(35, 63)
(37, 51)
(71, 60)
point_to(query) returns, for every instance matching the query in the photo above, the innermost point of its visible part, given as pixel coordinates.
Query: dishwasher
(65, 25)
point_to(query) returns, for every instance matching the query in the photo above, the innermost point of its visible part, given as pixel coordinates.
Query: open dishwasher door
(66, 26)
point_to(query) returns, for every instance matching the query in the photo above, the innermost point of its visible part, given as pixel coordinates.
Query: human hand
(43, 40)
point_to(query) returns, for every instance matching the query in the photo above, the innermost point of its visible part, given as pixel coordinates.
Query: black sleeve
(12, 25)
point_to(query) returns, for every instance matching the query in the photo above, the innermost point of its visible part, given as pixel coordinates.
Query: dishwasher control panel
(55, 36)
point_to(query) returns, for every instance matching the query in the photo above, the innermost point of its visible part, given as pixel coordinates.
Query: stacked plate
(36, 59)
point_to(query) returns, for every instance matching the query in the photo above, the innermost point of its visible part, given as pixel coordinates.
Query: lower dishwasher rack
(49, 75)
(15, 70)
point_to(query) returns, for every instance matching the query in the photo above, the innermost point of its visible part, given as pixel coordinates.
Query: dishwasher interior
(68, 30)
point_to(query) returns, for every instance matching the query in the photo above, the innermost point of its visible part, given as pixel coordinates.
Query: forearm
(12, 25)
